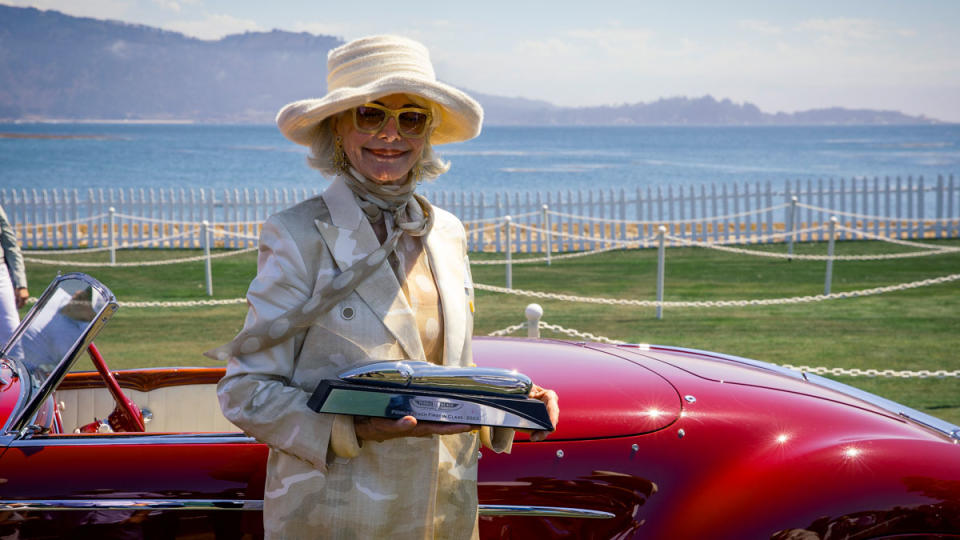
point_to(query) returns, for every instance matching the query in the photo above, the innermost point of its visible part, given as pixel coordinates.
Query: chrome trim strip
(509, 510)
(923, 419)
(47, 505)
(134, 439)
(50, 505)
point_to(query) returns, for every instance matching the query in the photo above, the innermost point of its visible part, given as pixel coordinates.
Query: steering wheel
(126, 416)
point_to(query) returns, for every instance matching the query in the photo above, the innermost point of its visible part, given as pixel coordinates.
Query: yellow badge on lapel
(468, 283)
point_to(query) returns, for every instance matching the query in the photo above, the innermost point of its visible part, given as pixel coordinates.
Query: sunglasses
(412, 122)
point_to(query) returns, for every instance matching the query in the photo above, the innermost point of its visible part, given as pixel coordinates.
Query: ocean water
(502, 159)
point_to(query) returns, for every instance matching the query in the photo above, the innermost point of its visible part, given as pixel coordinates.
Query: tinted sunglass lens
(412, 123)
(369, 119)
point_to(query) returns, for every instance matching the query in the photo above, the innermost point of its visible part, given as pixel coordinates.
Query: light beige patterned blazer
(402, 488)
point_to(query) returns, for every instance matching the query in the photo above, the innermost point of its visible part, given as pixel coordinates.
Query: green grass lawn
(909, 329)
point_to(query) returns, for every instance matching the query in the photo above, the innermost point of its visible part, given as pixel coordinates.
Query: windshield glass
(55, 327)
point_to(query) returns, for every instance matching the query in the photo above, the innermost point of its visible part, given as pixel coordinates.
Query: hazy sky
(780, 55)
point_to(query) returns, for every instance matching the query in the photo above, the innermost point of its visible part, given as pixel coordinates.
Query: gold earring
(416, 173)
(339, 158)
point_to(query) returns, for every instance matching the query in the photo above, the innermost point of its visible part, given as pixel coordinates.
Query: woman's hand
(371, 428)
(21, 295)
(550, 399)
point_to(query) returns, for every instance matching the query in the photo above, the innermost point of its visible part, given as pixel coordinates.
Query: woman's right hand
(369, 428)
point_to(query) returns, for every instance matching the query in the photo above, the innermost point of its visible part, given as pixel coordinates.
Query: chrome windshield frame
(31, 399)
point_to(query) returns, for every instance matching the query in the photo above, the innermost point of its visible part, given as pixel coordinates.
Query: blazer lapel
(350, 237)
(448, 268)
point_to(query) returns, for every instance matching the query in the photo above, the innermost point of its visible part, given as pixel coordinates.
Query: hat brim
(461, 116)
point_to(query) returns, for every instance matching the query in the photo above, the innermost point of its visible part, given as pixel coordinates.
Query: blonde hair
(323, 145)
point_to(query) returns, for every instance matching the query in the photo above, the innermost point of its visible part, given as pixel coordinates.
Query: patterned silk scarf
(412, 214)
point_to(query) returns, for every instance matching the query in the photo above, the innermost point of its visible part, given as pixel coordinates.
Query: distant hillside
(54, 66)
(680, 111)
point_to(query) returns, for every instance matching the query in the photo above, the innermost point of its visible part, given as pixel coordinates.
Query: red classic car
(654, 442)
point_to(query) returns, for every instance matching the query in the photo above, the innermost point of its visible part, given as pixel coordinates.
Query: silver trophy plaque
(477, 396)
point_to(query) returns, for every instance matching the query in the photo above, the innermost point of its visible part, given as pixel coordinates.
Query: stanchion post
(508, 227)
(206, 253)
(545, 225)
(111, 238)
(661, 254)
(792, 230)
(832, 240)
(534, 313)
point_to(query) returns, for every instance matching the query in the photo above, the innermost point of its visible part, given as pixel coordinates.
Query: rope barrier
(508, 330)
(170, 303)
(742, 251)
(185, 303)
(559, 329)
(572, 236)
(500, 219)
(890, 240)
(56, 224)
(159, 239)
(755, 238)
(152, 220)
(225, 232)
(162, 221)
(671, 222)
(877, 218)
(486, 229)
(772, 236)
(855, 372)
(720, 303)
(578, 334)
(497, 218)
(544, 259)
(820, 370)
(141, 263)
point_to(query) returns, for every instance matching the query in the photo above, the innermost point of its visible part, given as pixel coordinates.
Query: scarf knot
(411, 213)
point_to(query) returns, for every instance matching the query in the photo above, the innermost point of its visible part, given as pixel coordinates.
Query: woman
(367, 271)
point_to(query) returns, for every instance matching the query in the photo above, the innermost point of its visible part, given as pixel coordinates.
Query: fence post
(545, 220)
(793, 227)
(661, 231)
(509, 234)
(110, 237)
(205, 227)
(534, 313)
(829, 278)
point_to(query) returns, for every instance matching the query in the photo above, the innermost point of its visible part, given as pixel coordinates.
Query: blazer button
(347, 313)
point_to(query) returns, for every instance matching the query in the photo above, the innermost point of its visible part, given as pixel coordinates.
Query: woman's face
(384, 157)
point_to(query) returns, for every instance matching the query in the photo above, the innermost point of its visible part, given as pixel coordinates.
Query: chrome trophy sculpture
(460, 395)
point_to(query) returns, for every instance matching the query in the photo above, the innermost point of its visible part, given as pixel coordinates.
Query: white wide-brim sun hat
(370, 68)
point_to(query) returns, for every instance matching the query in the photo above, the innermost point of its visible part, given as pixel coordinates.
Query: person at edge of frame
(13, 280)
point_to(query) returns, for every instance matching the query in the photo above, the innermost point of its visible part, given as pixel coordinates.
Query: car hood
(729, 369)
(601, 394)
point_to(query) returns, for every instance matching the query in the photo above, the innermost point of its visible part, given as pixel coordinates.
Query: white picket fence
(583, 220)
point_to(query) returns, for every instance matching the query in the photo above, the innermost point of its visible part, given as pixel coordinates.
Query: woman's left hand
(550, 399)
